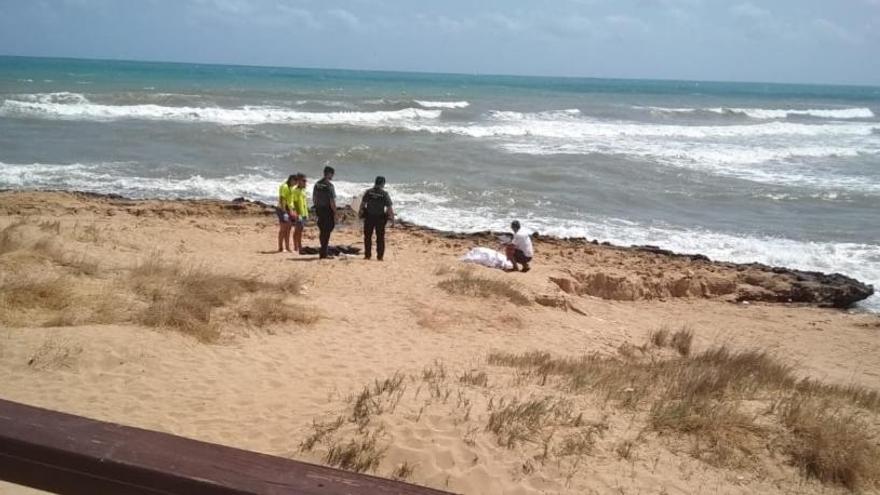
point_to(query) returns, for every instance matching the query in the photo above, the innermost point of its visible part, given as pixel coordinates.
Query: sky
(818, 41)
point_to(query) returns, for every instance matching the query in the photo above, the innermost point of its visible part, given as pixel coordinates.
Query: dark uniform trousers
(326, 223)
(377, 223)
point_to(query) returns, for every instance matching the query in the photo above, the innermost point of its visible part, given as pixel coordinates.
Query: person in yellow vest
(284, 210)
(301, 210)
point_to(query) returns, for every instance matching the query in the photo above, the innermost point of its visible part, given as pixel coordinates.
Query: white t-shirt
(524, 243)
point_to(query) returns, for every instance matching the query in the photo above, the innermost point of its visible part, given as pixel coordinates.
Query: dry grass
(184, 298)
(79, 264)
(50, 226)
(269, 309)
(55, 353)
(465, 282)
(830, 445)
(360, 454)
(31, 292)
(403, 472)
(57, 288)
(660, 337)
(375, 399)
(474, 378)
(518, 421)
(89, 233)
(11, 237)
(681, 341)
(358, 450)
(710, 397)
(185, 313)
(321, 430)
(292, 284)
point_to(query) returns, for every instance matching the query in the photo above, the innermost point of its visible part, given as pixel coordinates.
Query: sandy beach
(426, 365)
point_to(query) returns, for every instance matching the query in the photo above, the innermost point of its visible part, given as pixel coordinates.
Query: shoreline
(803, 287)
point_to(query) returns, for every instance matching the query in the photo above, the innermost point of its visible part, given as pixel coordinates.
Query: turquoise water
(782, 174)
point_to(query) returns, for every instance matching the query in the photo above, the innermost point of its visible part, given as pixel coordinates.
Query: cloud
(577, 25)
(347, 19)
(299, 16)
(624, 25)
(835, 31)
(234, 7)
(444, 23)
(505, 22)
(750, 11)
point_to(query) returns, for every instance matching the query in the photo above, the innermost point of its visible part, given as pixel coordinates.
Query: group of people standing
(375, 210)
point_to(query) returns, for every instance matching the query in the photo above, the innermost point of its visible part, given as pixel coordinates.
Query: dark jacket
(324, 193)
(374, 202)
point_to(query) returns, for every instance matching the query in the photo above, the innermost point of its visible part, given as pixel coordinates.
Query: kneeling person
(519, 251)
(376, 210)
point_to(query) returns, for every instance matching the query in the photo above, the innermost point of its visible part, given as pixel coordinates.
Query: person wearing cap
(519, 249)
(376, 210)
(300, 209)
(324, 198)
(284, 210)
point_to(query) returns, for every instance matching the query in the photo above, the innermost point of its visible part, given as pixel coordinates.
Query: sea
(781, 174)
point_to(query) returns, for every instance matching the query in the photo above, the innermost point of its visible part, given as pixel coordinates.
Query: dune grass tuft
(268, 309)
(55, 353)
(830, 445)
(465, 282)
(520, 421)
(360, 454)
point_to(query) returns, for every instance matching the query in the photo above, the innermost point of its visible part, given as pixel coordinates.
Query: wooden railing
(69, 454)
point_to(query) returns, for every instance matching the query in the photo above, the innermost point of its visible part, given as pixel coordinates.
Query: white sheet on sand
(487, 257)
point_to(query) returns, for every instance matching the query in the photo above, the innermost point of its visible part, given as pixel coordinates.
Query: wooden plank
(70, 454)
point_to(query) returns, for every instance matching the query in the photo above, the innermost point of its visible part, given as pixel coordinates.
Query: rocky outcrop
(634, 273)
(736, 282)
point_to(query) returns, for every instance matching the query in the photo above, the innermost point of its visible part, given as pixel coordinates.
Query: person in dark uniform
(324, 198)
(376, 210)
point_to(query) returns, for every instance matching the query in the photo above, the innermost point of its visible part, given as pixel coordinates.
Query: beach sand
(263, 385)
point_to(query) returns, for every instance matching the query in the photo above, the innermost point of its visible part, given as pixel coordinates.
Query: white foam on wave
(778, 166)
(548, 115)
(580, 129)
(829, 113)
(113, 178)
(776, 113)
(73, 106)
(443, 104)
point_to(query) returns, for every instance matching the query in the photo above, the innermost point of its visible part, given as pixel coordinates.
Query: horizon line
(427, 72)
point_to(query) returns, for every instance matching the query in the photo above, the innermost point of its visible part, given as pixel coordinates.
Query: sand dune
(379, 359)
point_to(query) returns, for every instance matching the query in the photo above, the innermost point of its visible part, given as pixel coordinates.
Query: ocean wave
(775, 113)
(442, 104)
(114, 178)
(580, 129)
(779, 166)
(549, 115)
(74, 106)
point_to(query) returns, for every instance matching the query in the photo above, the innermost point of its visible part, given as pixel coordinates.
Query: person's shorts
(283, 217)
(300, 222)
(520, 257)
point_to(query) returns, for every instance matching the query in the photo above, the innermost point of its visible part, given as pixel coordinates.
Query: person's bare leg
(509, 252)
(287, 237)
(297, 237)
(280, 237)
